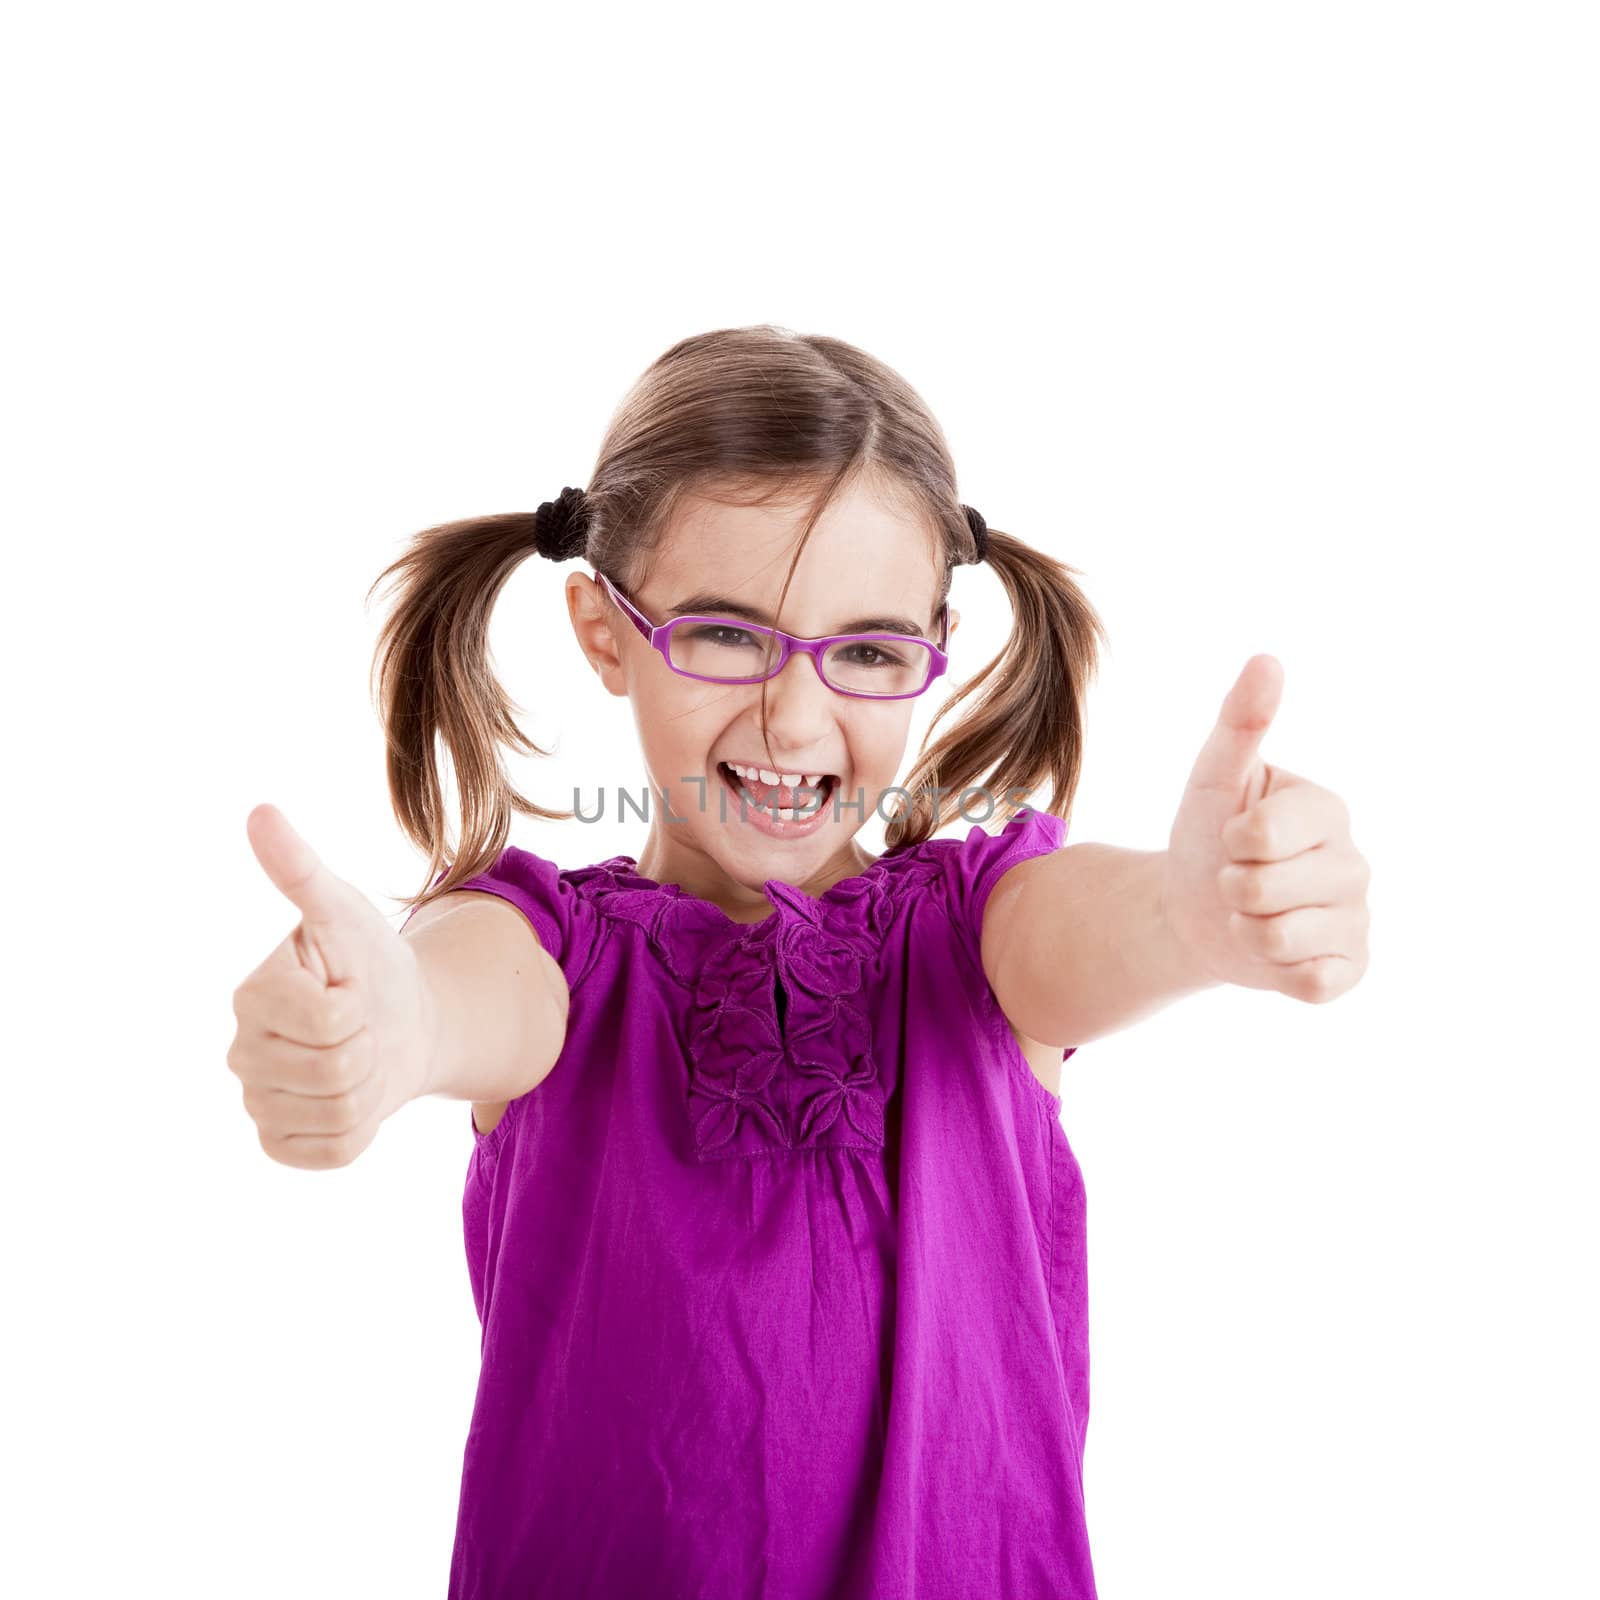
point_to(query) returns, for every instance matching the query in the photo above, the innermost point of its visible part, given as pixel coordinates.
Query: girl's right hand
(333, 1027)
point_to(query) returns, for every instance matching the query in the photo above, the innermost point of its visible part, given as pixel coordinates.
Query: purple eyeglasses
(716, 650)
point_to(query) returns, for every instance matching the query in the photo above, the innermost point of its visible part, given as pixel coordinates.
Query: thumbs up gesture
(333, 1027)
(1262, 885)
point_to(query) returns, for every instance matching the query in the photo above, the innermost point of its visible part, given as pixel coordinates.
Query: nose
(800, 706)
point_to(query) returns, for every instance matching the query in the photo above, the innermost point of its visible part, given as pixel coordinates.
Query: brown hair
(746, 416)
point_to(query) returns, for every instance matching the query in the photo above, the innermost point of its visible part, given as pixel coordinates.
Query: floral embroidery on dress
(852, 1090)
(758, 1084)
(725, 1096)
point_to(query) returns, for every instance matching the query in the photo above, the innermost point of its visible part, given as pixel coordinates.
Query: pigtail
(435, 681)
(1026, 720)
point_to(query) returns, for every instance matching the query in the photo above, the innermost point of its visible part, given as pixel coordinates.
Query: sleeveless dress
(781, 1270)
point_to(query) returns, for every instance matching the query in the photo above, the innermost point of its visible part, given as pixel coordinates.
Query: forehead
(890, 554)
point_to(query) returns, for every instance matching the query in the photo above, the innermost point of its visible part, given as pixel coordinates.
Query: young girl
(774, 1231)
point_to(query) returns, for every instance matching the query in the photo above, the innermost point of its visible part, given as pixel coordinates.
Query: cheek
(677, 728)
(878, 742)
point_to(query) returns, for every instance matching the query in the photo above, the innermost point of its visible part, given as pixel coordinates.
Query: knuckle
(326, 1077)
(341, 1068)
(342, 1149)
(1320, 983)
(277, 1148)
(344, 1110)
(278, 1009)
(336, 1015)
(1297, 985)
(1248, 833)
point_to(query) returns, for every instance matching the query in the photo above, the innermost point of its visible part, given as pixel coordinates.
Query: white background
(1277, 322)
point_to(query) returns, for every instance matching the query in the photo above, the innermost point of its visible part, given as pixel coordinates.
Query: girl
(774, 1231)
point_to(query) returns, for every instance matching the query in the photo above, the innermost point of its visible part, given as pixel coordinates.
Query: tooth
(812, 779)
(768, 777)
(790, 778)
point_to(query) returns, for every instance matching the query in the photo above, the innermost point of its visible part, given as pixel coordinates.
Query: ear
(593, 618)
(955, 621)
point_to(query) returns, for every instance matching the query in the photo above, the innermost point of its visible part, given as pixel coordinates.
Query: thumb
(325, 902)
(1227, 761)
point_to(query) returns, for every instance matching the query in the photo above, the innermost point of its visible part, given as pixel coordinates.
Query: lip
(762, 821)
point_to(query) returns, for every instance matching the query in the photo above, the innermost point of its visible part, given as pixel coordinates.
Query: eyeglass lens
(861, 666)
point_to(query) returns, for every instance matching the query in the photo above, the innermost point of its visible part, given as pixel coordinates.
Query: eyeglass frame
(659, 637)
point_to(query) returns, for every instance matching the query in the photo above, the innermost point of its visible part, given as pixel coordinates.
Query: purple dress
(781, 1269)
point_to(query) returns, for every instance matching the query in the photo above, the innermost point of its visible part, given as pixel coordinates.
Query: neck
(698, 874)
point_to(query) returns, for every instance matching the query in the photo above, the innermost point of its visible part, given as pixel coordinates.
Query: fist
(1262, 884)
(333, 1027)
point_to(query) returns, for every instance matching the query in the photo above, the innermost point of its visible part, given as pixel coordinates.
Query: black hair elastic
(561, 526)
(980, 532)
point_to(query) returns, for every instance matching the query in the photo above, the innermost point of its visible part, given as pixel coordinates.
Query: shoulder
(968, 872)
(554, 901)
(971, 868)
(955, 875)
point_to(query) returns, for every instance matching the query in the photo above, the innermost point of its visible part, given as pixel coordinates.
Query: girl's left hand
(1262, 885)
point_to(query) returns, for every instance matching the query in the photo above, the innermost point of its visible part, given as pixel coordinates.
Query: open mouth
(793, 797)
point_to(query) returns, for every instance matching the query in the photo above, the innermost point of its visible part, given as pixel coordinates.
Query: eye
(722, 634)
(872, 655)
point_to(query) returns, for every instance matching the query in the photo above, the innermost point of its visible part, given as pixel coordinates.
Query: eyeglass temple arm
(640, 621)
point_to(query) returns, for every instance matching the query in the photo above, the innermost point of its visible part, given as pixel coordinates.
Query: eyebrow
(719, 605)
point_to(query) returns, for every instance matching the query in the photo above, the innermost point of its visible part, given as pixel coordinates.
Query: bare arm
(495, 1000)
(1076, 946)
